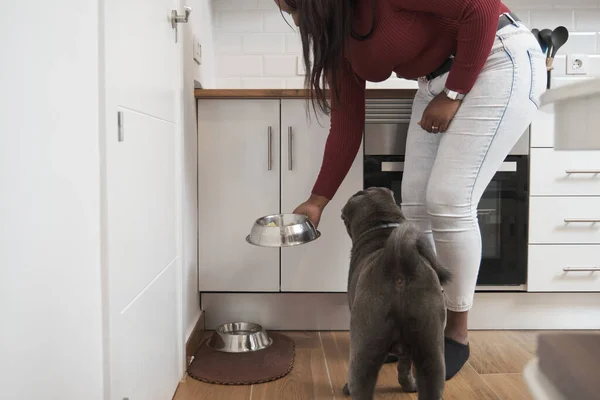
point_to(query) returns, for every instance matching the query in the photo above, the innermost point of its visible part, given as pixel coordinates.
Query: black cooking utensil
(559, 37)
(546, 36)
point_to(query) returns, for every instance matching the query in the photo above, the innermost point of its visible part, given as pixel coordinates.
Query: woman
(480, 74)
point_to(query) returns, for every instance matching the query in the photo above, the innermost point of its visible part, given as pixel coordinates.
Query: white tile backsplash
(230, 66)
(293, 44)
(262, 83)
(234, 21)
(274, 21)
(580, 43)
(256, 48)
(228, 44)
(587, 20)
(263, 44)
(228, 83)
(550, 19)
(294, 83)
(284, 66)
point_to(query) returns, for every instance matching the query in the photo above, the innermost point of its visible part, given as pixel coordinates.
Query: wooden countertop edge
(292, 93)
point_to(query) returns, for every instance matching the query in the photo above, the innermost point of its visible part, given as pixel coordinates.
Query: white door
(238, 175)
(320, 266)
(143, 79)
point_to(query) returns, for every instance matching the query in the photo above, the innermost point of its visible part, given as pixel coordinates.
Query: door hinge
(120, 126)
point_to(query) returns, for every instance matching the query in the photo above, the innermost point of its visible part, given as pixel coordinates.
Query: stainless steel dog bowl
(240, 337)
(282, 230)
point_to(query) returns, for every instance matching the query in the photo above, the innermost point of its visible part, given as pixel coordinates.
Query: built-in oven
(502, 212)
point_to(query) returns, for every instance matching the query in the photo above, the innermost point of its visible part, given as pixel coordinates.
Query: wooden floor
(494, 372)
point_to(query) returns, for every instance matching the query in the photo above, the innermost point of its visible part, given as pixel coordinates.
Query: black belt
(504, 20)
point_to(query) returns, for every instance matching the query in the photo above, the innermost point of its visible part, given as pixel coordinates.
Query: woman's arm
(345, 134)
(478, 21)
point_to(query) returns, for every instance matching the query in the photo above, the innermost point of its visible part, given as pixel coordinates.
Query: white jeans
(445, 174)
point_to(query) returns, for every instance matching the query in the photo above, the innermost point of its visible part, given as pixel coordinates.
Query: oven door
(502, 216)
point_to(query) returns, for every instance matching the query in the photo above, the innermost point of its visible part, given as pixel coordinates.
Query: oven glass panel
(501, 213)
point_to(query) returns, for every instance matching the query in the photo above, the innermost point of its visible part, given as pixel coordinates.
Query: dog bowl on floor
(282, 230)
(240, 337)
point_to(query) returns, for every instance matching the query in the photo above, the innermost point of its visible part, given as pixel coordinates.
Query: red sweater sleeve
(478, 21)
(345, 134)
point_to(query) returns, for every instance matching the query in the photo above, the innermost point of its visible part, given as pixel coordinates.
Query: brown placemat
(272, 363)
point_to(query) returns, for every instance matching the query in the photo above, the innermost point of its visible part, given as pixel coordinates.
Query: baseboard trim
(329, 311)
(191, 345)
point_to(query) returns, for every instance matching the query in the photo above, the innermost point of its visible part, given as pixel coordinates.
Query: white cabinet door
(238, 182)
(320, 266)
(141, 199)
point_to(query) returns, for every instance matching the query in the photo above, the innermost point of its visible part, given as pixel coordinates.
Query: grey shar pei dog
(396, 298)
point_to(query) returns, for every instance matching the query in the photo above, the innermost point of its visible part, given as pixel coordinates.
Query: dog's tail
(407, 249)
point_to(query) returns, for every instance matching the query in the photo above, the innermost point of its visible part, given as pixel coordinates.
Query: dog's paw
(346, 390)
(408, 384)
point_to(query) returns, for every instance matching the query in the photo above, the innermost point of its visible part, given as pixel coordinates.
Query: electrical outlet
(577, 64)
(197, 50)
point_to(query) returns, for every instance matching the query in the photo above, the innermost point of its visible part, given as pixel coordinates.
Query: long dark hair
(325, 28)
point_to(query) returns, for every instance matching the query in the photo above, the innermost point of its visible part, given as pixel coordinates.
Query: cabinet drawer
(564, 268)
(566, 220)
(573, 173)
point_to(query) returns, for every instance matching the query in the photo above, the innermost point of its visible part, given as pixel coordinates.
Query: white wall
(50, 295)
(201, 75)
(255, 48)
(201, 22)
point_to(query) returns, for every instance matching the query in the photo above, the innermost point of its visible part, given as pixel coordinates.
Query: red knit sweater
(411, 38)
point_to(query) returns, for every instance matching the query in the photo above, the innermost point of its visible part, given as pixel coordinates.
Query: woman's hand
(439, 113)
(312, 208)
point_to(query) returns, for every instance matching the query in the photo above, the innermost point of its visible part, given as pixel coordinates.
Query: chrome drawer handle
(583, 171)
(583, 220)
(581, 269)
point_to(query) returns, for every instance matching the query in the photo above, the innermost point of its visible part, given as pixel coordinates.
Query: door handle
(180, 19)
(290, 148)
(269, 148)
(583, 220)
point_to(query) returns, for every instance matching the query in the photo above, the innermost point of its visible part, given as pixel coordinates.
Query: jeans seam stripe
(512, 86)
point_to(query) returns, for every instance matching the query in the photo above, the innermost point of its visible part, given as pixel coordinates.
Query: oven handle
(398, 166)
(392, 166)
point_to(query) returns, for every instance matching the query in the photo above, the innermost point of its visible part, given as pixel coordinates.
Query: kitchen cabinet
(320, 266)
(564, 224)
(238, 181)
(236, 186)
